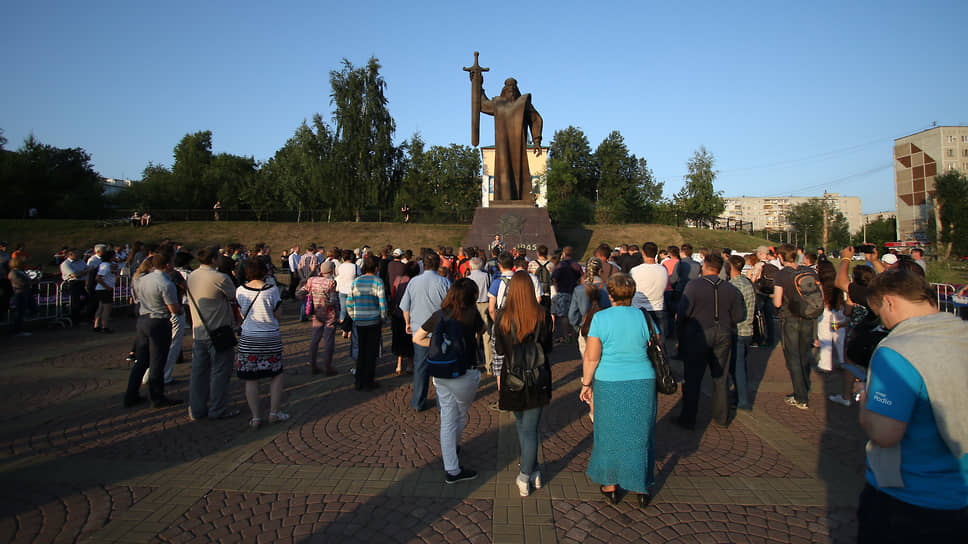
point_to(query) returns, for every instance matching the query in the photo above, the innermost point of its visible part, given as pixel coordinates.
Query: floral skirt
(259, 356)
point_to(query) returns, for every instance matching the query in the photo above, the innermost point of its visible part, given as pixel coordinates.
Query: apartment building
(769, 213)
(918, 158)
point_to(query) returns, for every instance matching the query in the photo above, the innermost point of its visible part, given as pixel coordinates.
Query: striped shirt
(367, 301)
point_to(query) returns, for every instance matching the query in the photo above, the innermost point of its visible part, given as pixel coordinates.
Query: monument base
(519, 226)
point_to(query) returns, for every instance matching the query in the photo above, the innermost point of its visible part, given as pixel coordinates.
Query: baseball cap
(398, 252)
(889, 258)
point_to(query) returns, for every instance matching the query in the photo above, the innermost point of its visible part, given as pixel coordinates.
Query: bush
(574, 210)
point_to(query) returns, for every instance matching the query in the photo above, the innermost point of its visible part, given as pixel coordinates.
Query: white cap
(889, 258)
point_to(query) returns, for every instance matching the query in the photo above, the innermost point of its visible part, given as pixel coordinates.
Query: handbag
(309, 309)
(664, 382)
(223, 338)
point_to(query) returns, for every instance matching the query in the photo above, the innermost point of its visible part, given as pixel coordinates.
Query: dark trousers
(76, 292)
(882, 519)
(91, 302)
(369, 339)
(326, 334)
(764, 303)
(151, 350)
(711, 349)
(797, 336)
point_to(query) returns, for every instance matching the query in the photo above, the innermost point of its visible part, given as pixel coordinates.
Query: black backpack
(765, 283)
(447, 357)
(526, 366)
(806, 299)
(544, 277)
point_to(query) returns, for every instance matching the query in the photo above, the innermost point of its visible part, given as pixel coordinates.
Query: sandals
(255, 423)
(276, 417)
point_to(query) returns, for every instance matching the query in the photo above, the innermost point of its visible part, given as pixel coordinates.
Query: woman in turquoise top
(617, 368)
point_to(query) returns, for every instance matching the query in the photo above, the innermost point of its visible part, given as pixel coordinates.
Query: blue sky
(791, 98)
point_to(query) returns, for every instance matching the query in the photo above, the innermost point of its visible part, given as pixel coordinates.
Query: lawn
(43, 237)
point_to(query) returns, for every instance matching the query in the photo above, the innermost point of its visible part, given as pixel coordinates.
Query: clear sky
(791, 98)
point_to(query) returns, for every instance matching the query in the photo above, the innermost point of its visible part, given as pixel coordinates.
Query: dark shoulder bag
(223, 338)
(664, 382)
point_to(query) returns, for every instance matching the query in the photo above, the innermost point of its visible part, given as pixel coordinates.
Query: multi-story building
(769, 213)
(879, 216)
(918, 158)
(538, 165)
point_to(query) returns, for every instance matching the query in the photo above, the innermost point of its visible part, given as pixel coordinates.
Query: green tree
(370, 167)
(807, 219)
(58, 182)
(193, 155)
(619, 200)
(303, 170)
(881, 231)
(572, 180)
(440, 183)
(698, 199)
(951, 205)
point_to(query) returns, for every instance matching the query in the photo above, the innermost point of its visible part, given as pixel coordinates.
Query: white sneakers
(525, 482)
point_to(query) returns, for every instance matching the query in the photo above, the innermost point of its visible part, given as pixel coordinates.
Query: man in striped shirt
(367, 306)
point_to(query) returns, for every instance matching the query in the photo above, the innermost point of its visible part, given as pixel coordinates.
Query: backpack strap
(715, 285)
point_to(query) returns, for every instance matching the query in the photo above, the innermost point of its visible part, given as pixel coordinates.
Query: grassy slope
(44, 237)
(586, 239)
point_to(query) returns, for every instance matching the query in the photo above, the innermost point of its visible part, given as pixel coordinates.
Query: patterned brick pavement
(362, 467)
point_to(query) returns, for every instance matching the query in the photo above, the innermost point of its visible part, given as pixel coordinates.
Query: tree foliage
(440, 182)
(952, 199)
(56, 182)
(807, 219)
(369, 163)
(572, 181)
(610, 185)
(698, 198)
(881, 231)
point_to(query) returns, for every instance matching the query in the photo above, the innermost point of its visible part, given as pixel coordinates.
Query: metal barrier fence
(948, 301)
(52, 301)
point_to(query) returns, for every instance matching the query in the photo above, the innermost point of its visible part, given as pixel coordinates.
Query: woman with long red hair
(523, 336)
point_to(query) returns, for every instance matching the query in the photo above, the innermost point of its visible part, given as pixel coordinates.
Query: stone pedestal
(519, 224)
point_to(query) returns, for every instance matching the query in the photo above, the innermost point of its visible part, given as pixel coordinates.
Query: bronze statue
(513, 116)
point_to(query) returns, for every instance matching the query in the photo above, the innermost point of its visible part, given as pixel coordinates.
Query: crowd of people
(457, 316)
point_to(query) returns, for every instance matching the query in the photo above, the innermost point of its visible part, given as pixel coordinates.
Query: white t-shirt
(109, 278)
(261, 317)
(345, 274)
(650, 284)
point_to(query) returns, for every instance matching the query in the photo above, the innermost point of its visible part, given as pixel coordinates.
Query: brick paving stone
(826, 527)
(361, 519)
(567, 440)
(62, 513)
(349, 428)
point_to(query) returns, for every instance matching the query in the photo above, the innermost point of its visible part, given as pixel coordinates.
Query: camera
(865, 248)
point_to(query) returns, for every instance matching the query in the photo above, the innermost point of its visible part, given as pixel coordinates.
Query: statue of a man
(513, 117)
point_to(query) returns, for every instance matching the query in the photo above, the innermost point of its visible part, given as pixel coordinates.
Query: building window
(964, 152)
(951, 139)
(964, 139)
(950, 165)
(949, 152)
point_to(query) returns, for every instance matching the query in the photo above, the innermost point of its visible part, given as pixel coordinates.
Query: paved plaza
(363, 467)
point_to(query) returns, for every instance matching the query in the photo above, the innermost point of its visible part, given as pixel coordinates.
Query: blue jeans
(741, 346)
(211, 371)
(342, 306)
(527, 424)
(421, 378)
